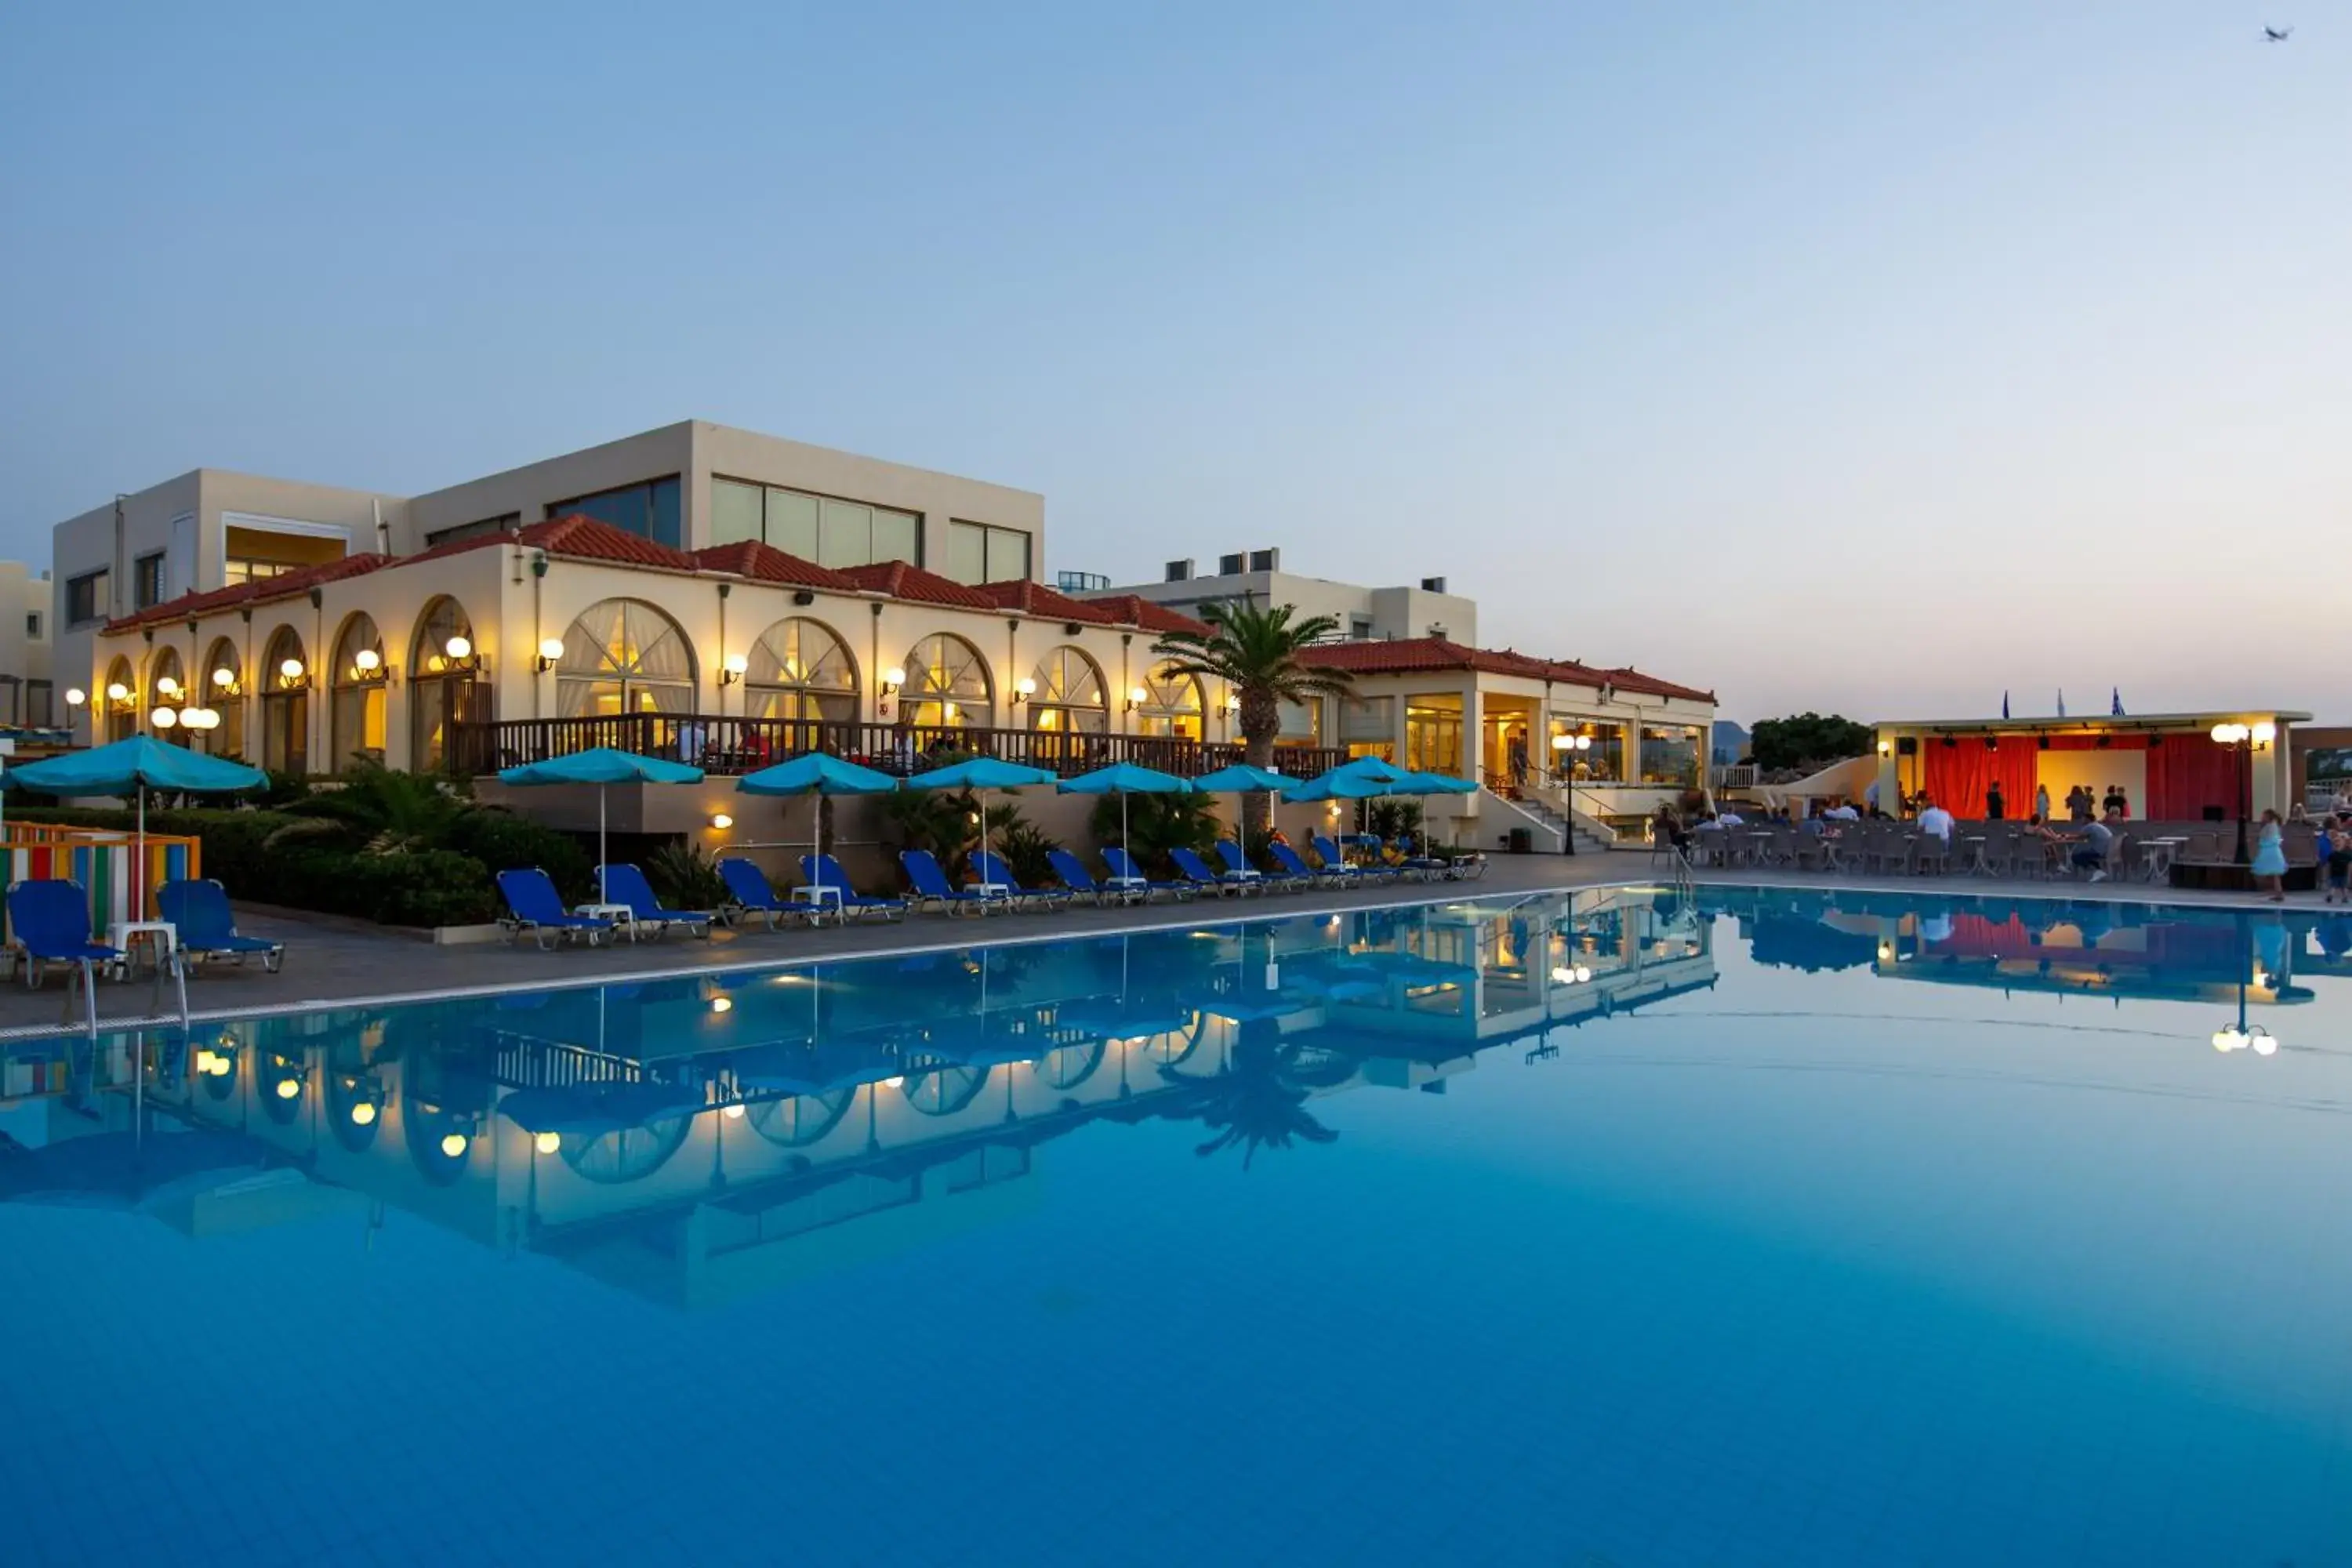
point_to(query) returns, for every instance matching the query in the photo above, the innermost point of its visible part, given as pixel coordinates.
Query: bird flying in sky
(2278, 34)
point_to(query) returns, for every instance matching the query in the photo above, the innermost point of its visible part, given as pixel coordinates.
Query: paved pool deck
(332, 961)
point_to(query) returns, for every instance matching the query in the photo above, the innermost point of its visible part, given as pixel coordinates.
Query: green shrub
(1022, 847)
(503, 841)
(1157, 824)
(427, 888)
(684, 875)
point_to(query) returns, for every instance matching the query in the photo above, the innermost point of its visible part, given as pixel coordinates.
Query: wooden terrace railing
(733, 745)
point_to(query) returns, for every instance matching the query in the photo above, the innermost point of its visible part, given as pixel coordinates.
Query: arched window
(947, 685)
(226, 698)
(800, 670)
(1171, 706)
(167, 687)
(623, 655)
(285, 703)
(1069, 695)
(120, 696)
(355, 702)
(444, 688)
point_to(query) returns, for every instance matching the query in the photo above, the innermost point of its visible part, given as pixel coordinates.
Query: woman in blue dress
(2270, 859)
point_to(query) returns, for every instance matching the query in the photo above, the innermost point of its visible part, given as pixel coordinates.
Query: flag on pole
(2004, 704)
(2116, 700)
(2062, 702)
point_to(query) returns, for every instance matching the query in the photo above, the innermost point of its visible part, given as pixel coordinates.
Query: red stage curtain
(1957, 775)
(2188, 774)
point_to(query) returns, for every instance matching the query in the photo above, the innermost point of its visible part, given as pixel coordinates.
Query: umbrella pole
(1127, 855)
(139, 873)
(602, 855)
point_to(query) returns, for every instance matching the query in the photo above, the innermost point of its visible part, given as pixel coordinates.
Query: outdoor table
(2155, 856)
(621, 915)
(816, 895)
(163, 939)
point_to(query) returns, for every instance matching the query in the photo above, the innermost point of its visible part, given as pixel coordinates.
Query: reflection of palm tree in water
(1259, 1100)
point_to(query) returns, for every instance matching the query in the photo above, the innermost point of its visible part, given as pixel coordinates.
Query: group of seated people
(2086, 846)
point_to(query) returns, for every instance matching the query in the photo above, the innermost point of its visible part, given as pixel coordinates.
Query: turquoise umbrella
(133, 767)
(815, 775)
(1375, 768)
(1241, 779)
(601, 765)
(982, 773)
(1431, 783)
(1124, 779)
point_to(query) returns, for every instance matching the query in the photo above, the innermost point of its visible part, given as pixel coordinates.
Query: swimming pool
(1630, 1228)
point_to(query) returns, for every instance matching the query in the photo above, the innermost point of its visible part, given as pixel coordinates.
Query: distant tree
(1807, 742)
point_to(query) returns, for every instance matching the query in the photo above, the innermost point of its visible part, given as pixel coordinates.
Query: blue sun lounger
(1295, 869)
(822, 871)
(746, 885)
(1081, 883)
(931, 886)
(533, 906)
(204, 926)
(624, 884)
(1195, 870)
(990, 868)
(1126, 874)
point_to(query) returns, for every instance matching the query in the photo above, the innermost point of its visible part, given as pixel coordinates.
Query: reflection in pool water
(1720, 1247)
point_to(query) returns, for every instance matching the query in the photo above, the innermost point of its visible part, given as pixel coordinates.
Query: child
(2324, 848)
(2340, 860)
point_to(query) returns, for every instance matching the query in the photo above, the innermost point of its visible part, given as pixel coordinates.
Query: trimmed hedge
(431, 887)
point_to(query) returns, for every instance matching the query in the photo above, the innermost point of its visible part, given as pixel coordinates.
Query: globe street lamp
(1563, 769)
(2245, 739)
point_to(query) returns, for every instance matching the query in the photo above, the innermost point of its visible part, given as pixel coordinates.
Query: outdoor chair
(1193, 869)
(1236, 864)
(748, 888)
(204, 927)
(50, 920)
(1295, 869)
(930, 885)
(990, 868)
(1812, 852)
(624, 884)
(1081, 883)
(823, 882)
(1125, 874)
(1336, 863)
(1930, 853)
(533, 906)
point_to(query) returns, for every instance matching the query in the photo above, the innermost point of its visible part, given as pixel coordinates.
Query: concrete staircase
(1553, 828)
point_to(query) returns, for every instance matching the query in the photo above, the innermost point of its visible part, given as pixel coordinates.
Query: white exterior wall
(1395, 613)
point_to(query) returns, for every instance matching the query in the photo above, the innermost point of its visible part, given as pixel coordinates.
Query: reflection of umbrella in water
(1789, 941)
(118, 1170)
(812, 1068)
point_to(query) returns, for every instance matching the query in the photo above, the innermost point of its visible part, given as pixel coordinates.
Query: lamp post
(2245, 739)
(1563, 769)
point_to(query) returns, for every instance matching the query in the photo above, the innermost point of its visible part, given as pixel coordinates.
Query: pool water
(1621, 1229)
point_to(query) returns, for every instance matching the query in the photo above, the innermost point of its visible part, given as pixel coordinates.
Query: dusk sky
(1873, 358)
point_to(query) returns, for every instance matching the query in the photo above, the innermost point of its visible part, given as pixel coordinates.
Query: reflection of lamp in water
(723, 1005)
(734, 1112)
(545, 1143)
(893, 1082)
(287, 1088)
(363, 1113)
(454, 1145)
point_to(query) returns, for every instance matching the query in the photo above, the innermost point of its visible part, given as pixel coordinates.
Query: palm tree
(1255, 652)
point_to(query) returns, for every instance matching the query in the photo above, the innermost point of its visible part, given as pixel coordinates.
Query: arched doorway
(355, 699)
(1068, 709)
(623, 655)
(223, 673)
(121, 697)
(947, 686)
(444, 683)
(286, 703)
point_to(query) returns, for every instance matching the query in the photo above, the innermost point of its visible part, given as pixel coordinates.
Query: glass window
(800, 670)
(1432, 733)
(623, 655)
(1670, 754)
(1069, 694)
(86, 597)
(844, 534)
(226, 698)
(897, 536)
(147, 579)
(474, 529)
(1008, 555)
(1368, 719)
(1171, 706)
(947, 684)
(967, 553)
(355, 706)
(735, 511)
(1359, 627)
(792, 524)
(40, 710)
(243, 571)
(649, 510)
(33, 625)
(1603, 761)
(1302, 724)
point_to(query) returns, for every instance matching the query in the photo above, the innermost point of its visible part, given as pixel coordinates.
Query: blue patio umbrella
(1241, 779)
(133, 767)
(1378, 768)
(815, 775)
(978, 773)
(1124, 779)
(601, 767)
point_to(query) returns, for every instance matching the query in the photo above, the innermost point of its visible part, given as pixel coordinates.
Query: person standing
(1517, 751)
(2041, 802)
(1993, 802)
(2270, 859)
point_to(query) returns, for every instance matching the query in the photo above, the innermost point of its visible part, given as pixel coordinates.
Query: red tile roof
(766, 563)
(1134, 610)
(901, 581)
(262, 591)
(1029, 598)
(1408, 654)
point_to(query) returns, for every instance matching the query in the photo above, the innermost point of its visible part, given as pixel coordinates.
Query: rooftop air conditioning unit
(1265, 560)
(1179, 571)
(1232, 565)
(1437, 630)
(1433, 584)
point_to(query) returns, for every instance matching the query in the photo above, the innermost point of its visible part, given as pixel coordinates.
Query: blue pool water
(1772, 1228)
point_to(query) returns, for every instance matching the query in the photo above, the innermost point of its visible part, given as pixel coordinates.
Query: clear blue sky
(1863, 357)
